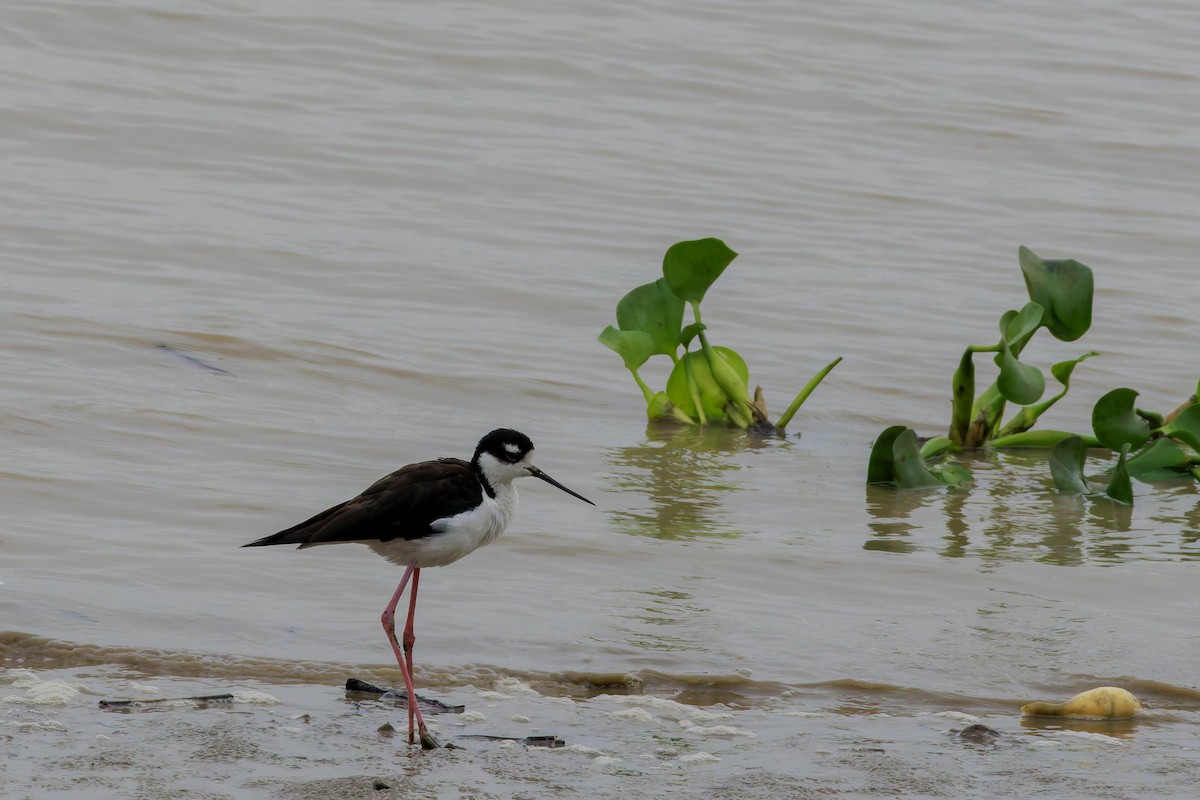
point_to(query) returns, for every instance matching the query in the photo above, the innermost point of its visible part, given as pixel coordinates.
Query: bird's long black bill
(537, 473)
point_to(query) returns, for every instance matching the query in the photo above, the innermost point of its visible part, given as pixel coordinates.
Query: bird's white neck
(500, 504)
(506, 501)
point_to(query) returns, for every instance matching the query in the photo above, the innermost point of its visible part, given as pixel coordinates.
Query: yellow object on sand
(1106, 702)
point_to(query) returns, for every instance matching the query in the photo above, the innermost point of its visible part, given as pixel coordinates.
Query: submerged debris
(192, 360)
(199, 701)
(240, 696)
(361, 690)
(528, 741)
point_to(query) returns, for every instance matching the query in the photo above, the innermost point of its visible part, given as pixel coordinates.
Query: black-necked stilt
(428, 514)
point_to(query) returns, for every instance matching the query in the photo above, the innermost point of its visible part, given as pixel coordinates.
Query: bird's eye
(511, 454)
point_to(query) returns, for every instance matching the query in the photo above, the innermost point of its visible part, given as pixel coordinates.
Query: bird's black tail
(297, 534)
(275, 538)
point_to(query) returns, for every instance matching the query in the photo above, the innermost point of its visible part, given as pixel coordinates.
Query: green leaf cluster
(1150, 446)
(1060, 300)
(898, 460)
(708, 384)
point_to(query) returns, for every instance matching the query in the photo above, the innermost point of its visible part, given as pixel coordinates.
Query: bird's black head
(505, 445)
(505, 455)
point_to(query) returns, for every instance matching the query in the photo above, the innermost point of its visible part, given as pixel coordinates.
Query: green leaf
(1120, 488)
(652, 308)
(880, 466)
(1186, 427)
(691, 332)
(712, 396)
(1028, 416)
(805, 392)
(1162, 459)
(951, 474)
(1019, 383)
(634, 347)
(1063, 369)
(1064, 289)
(691, 267)
(908, 466)
(1066, 466)
(1115, 422)
(1016, 327)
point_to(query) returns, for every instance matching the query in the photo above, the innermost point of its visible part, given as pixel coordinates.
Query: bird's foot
(428, 742)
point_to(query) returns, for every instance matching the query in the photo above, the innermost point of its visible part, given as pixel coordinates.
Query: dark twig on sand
(361, 690)
(134, 705)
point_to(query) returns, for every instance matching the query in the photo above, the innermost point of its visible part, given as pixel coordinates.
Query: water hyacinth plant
(1060, 300)
(708, 385)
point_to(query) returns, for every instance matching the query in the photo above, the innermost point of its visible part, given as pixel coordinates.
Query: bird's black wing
(397, 506)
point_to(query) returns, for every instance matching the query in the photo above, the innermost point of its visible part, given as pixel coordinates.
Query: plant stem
(988, 408)
(962, 395)
(1041, 438)
(1169, 418)
(936, 446)
(694, 391)
(736, 416)
(731, 384)
(641, 383)
(988, 411)
(682, 416)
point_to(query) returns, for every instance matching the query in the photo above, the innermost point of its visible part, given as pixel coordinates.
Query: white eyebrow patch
(512, 448)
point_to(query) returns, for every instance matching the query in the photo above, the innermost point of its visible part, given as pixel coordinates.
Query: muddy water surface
(257, 256)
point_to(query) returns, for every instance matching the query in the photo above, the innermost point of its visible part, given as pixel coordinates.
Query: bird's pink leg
(389, 627)
(410, 638)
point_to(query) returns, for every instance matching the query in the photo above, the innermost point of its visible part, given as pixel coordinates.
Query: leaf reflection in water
(1014, 513)
(684, 474)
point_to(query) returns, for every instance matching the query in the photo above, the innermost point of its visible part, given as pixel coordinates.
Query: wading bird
(427, 514)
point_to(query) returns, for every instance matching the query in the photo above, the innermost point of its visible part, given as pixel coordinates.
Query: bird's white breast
(455, 536)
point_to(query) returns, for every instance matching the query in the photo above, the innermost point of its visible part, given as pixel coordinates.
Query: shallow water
(257, 257)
